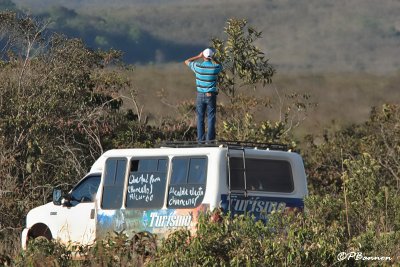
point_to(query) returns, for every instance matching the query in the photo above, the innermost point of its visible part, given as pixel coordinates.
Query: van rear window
(146, 183)
(261, 175)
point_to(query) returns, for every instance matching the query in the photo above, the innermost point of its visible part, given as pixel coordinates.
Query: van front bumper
(24, 238)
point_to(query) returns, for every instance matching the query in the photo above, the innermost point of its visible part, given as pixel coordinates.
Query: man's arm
(187, 61)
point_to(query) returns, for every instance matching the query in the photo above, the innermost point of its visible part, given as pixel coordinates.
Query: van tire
(40, 231)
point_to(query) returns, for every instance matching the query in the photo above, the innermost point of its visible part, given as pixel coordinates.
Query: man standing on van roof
(206, 82)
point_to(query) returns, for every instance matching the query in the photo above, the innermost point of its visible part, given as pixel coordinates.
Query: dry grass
(342, 98)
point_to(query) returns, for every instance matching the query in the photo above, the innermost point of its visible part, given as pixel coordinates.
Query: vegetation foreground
(60, 109)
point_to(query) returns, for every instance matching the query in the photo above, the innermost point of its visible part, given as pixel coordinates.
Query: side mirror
(57, 197)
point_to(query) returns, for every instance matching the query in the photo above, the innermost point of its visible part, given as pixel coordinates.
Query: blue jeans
(206, 103)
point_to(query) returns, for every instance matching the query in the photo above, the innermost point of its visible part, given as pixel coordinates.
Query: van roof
(226, 143)
(176, 148)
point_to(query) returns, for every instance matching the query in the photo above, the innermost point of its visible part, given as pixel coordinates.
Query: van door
(79, 212)
(237, 179)
(110, 215)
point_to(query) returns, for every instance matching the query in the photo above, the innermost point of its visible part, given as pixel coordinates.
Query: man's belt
(209, 93)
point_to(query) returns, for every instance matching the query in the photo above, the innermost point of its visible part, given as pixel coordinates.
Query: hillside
(299, 35)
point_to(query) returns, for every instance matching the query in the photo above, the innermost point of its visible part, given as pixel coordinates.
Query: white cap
(208, 53)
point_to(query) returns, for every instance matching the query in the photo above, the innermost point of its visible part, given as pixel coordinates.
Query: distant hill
(298, 35)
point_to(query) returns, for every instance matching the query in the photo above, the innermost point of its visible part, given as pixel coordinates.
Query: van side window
(262, 175)
(188, 182)
(146, 183)
(189, 170)
(114, 178)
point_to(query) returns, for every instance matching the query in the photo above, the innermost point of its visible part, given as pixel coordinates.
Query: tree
(59, 107)
(243, 63)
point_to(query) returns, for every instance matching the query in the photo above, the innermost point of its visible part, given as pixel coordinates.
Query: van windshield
(86, 190)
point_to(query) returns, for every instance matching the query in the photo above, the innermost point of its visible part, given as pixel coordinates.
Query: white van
(158, 190)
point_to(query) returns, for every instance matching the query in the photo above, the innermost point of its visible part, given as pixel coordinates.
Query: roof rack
(225, 143)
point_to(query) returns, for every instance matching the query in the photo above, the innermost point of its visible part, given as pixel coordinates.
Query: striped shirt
(206, 75)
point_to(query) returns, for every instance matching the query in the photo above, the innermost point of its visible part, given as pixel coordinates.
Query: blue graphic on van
(259, 206)
(160, 222)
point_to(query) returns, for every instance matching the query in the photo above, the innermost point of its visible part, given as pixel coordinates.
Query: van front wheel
(40, 232)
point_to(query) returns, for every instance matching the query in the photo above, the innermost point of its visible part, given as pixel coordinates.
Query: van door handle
(92, 214)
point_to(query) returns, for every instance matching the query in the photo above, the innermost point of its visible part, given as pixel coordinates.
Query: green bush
(42, 252)
(293, 239)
